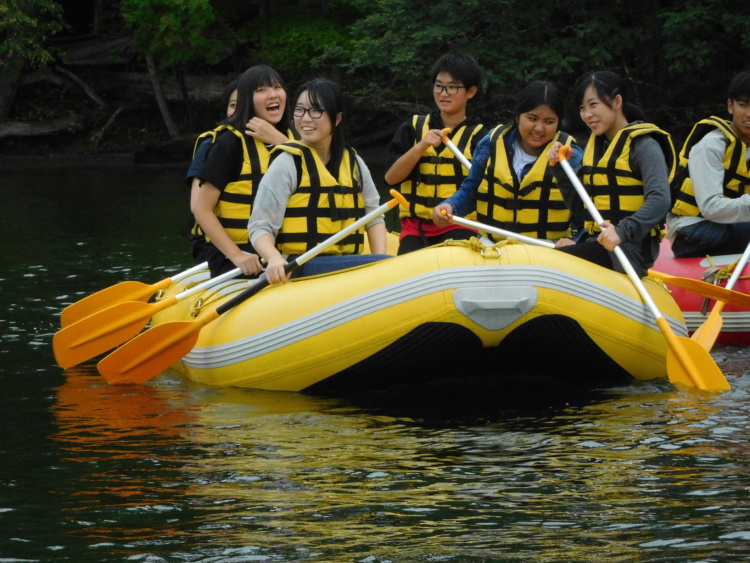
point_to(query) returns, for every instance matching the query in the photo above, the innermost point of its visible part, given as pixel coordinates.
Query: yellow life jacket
(438, 173)
(613, 186)
(322, 205)
(236, 200)
(736, 174)
(532, 207)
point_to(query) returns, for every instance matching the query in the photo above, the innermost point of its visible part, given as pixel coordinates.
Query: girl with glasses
(422, 166)
(236, 162)
(314, 188)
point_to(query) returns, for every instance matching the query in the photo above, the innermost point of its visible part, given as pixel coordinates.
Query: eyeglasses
(315, 113)
(448, 89)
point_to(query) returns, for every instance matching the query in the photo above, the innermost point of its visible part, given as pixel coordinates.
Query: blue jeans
(709, 238)
(328, 263)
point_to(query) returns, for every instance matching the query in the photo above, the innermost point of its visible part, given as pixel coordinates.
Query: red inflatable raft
(695, 308)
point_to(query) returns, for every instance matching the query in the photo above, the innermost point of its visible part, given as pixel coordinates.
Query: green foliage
(675, 53)
(299, 44)
(300, 37)
(678, 55)
(175, 32)
(25, 27)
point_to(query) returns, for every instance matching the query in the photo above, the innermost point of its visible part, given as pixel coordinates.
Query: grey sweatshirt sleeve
(647, 160)
(706, 164)
(369, 192)
(277, 185)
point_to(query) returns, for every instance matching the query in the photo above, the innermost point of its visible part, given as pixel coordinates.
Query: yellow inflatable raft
(461, 309)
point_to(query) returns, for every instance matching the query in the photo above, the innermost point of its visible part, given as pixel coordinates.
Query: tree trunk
(72, 123)
(99, 10)
(160, 99)
(186, 98)
(8, 89)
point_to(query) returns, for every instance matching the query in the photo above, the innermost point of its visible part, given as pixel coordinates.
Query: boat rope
(212, 295)
(715, 275)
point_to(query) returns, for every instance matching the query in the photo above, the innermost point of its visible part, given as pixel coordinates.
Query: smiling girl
(627, 166)
(314, 188)
(510, 182)
(234, 167)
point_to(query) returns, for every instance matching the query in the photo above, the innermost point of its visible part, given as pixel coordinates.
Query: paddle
(105, 329)
(454, 149)
(696, 286)
(501, 232)
(155, 350)
(118, 293)
(688, 363)
(708, 332)
(704, 289)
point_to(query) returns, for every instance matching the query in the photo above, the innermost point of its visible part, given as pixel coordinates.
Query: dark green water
(173, 471)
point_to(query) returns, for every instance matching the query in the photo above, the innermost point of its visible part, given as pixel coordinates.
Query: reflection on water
(177, 469)
(173, 471)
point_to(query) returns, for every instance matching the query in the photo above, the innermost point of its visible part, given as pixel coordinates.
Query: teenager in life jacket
(237, 161)
(511, 185)
(626, 169)
(711, 213)
(314, 188)
(195, 235)
(423, 168)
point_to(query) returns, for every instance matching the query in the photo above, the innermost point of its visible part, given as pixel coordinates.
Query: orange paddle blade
(104, 330)
(689, 364)
(153, 351)
(699, 287)
(118, 293)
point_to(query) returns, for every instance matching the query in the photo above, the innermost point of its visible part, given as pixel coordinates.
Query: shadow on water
(471, 397)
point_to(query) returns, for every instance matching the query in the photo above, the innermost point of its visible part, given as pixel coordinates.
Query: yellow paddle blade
(689, 364)
(118, 293)
(709, 331)
(153, 351)
(104, 330)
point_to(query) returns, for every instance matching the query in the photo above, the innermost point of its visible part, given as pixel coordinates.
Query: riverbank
(158, 154)
(134, 133)
(73, 151)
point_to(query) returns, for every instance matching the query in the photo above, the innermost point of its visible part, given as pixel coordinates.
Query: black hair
(608, 85)
(541, 93)
(226, 96)
(253, 78)
(464, 68)
(328, 96)
(739, 87)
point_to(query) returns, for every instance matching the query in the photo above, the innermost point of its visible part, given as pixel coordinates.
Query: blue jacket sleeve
(463, 202)
(196, 166)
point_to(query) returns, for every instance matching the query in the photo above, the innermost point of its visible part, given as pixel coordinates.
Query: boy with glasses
(422, 166)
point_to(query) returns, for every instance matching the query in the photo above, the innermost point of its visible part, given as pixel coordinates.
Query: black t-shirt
(224, 162)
